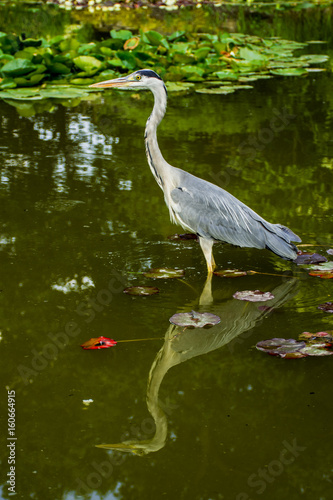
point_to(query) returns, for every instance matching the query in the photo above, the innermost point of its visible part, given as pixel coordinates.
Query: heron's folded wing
(212, 212)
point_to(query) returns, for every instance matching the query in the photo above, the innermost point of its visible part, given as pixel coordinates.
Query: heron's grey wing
(212, 212)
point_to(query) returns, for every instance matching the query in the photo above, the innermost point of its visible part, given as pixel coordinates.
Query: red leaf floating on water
(322, 274)
(99, 343)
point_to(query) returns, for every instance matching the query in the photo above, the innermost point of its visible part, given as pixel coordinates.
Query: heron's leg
(207, 248)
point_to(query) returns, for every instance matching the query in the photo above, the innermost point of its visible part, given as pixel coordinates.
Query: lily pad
(308, 344)
(221, 90)
(285, 348)
(164, 273)
(326, 307)
(88, 63)
(324, 270)
(288, 71)
(99, 343)
(309, 258)
(230, 273)
(17, 67)
(195, 319)
(141, 291)
(253, 296)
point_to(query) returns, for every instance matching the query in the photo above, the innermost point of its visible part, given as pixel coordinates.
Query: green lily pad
(121, 34)
(324, 266)
(141, 291)
(253, 296)
(195, 319)
(164, 273)
(178, 86)
(17, 67)
(221, 90)
(288, 72)
(226, 74)
(155, 38)
(88, 63)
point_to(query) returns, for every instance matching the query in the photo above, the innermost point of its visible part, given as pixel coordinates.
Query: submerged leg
(207, 248)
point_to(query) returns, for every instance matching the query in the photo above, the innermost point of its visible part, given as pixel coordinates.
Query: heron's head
(142, 79)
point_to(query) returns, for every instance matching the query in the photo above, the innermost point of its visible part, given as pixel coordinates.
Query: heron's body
(198, 205)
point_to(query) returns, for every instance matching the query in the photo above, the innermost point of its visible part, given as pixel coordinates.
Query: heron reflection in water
(181, 345)
(197, 205)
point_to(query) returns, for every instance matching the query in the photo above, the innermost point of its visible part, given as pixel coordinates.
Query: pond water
(195, 414)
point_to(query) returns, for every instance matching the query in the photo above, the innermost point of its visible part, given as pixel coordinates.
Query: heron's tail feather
(279, 240)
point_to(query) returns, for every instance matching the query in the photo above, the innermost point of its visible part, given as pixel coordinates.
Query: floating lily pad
(178, 86)
(221, 90)
(326, 307)
(253, 295)
(324, 270)
(330, 251)
(180, 56)
(165, 273)
(99, 343)
(288, 71)
(230, 273)
(285, 348)
(309, 344)
(141, 291)
(309, 258)
(196, 319)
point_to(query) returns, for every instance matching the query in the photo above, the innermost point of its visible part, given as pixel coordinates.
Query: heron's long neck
(156, 162)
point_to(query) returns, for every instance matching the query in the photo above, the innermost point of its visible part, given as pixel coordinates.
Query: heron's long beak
(116, 83)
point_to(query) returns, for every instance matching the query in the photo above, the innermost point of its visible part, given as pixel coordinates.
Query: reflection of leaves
(253, 295)
(164, 273)
(196, 319)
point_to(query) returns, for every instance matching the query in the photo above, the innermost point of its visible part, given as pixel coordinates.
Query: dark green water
(81, 216)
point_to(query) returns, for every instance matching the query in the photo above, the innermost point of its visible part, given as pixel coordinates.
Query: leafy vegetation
(223, 63)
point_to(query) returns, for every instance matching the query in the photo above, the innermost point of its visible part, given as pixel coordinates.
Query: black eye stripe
(149, 73)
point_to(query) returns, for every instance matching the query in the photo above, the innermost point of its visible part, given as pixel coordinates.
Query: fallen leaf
(99, 343)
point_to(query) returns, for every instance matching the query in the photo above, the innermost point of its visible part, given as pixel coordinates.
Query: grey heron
(196, 204)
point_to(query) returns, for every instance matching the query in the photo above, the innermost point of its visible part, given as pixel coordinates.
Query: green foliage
(178, 57)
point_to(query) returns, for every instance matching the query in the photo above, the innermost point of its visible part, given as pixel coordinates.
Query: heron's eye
(138, 77)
